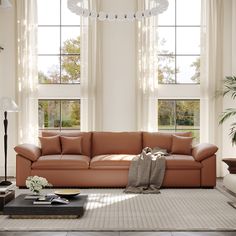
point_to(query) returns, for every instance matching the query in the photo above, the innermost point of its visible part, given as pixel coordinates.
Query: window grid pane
(56, 114)
(184, 45)
(59, 38)
(179, 116)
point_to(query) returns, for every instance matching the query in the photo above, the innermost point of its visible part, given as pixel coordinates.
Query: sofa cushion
(86, 138)
(120, 161)
(175, 162)
(160, 139)
(182, 162)
(181, 145)
(61, 162)
(71, 145)
(116, 143)
(50, 145)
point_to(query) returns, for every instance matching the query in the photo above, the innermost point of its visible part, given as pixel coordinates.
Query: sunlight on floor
(98, 201)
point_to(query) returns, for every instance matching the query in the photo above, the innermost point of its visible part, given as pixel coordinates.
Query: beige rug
(112, 210)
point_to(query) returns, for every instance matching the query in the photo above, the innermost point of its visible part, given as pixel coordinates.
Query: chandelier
(159, 7)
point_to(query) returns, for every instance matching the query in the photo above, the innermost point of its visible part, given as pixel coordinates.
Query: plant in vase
(230, 89)
(36, 183)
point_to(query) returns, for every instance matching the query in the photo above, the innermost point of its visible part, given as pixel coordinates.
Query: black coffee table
(21, 208)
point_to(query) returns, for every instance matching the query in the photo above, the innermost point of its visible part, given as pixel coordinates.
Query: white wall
(119, 69)
(8, 83)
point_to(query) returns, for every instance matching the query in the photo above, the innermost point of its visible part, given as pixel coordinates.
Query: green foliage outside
(179, 113)
(230, 90)
(56, 114)
(196, 77)
(179, 116)
(167, 70)
(70, 65)
(49, 111)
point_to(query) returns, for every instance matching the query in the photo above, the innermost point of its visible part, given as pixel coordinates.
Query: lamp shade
(8, 104)
(5, 4)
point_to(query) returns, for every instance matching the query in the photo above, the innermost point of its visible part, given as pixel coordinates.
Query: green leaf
(227, 114)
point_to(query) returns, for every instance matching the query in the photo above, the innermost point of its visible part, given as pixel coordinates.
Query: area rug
(112, 210)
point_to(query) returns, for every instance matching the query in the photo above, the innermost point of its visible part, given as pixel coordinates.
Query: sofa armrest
(29, 151)
(204, 150)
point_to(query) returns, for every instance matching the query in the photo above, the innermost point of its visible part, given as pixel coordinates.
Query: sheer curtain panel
(27, 70)
(212, 36)
(147, 70)
(91, 81)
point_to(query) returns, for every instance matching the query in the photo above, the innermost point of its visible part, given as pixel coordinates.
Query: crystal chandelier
(160, 7)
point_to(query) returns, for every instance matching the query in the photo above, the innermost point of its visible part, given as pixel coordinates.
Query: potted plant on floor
(230, 89)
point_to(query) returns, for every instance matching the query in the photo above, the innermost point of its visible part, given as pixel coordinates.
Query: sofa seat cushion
(182, 162)
(119, 161)
(104, 143)
(61, 162)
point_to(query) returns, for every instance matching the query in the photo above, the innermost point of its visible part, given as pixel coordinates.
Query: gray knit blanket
(146, 172)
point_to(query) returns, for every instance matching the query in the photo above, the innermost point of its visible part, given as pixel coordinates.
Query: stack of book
(4, 189)
(7, 193)
(46, 199)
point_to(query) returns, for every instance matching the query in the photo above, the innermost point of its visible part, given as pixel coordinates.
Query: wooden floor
(117, 233)
(219, 185)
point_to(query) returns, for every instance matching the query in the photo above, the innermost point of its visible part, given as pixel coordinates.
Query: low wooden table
(231, 162)
(5, 198)
(229, 181)
(22, 208)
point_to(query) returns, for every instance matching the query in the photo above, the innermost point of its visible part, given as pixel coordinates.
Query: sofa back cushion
(181, 145)
(162, 140)
(50, 145)
(71, 145)
(116, 143)
(86, 139)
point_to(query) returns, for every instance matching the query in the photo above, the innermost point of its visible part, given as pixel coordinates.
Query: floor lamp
(6, 105)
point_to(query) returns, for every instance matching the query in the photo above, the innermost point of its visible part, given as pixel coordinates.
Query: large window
(178, 51)
(58, 65)
(58, 43)
(179, 116)
(179, 43)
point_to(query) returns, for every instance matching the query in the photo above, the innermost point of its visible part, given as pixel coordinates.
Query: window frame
(60, 55)
(60, 128)
(60, 91)
(175, 112)
(176, 130)
(175, 54)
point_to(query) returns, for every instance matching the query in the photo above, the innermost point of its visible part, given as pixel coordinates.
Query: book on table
(48, 200)
(32, 197)
(5, 188)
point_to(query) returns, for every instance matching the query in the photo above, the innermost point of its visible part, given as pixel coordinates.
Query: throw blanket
(147, 171)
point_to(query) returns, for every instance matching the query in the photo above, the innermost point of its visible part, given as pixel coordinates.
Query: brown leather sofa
(104, 159)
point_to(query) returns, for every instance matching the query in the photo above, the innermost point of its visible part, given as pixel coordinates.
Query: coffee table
(21, 208)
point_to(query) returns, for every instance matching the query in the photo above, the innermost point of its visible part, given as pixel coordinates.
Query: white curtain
(211, 73)
(91, 81)
(27, 70)
(147, 70)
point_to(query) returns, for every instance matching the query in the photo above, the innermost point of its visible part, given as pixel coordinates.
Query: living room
(115, 77)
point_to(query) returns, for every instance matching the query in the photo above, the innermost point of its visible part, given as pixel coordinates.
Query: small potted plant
(230, 89)
(36, 183)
